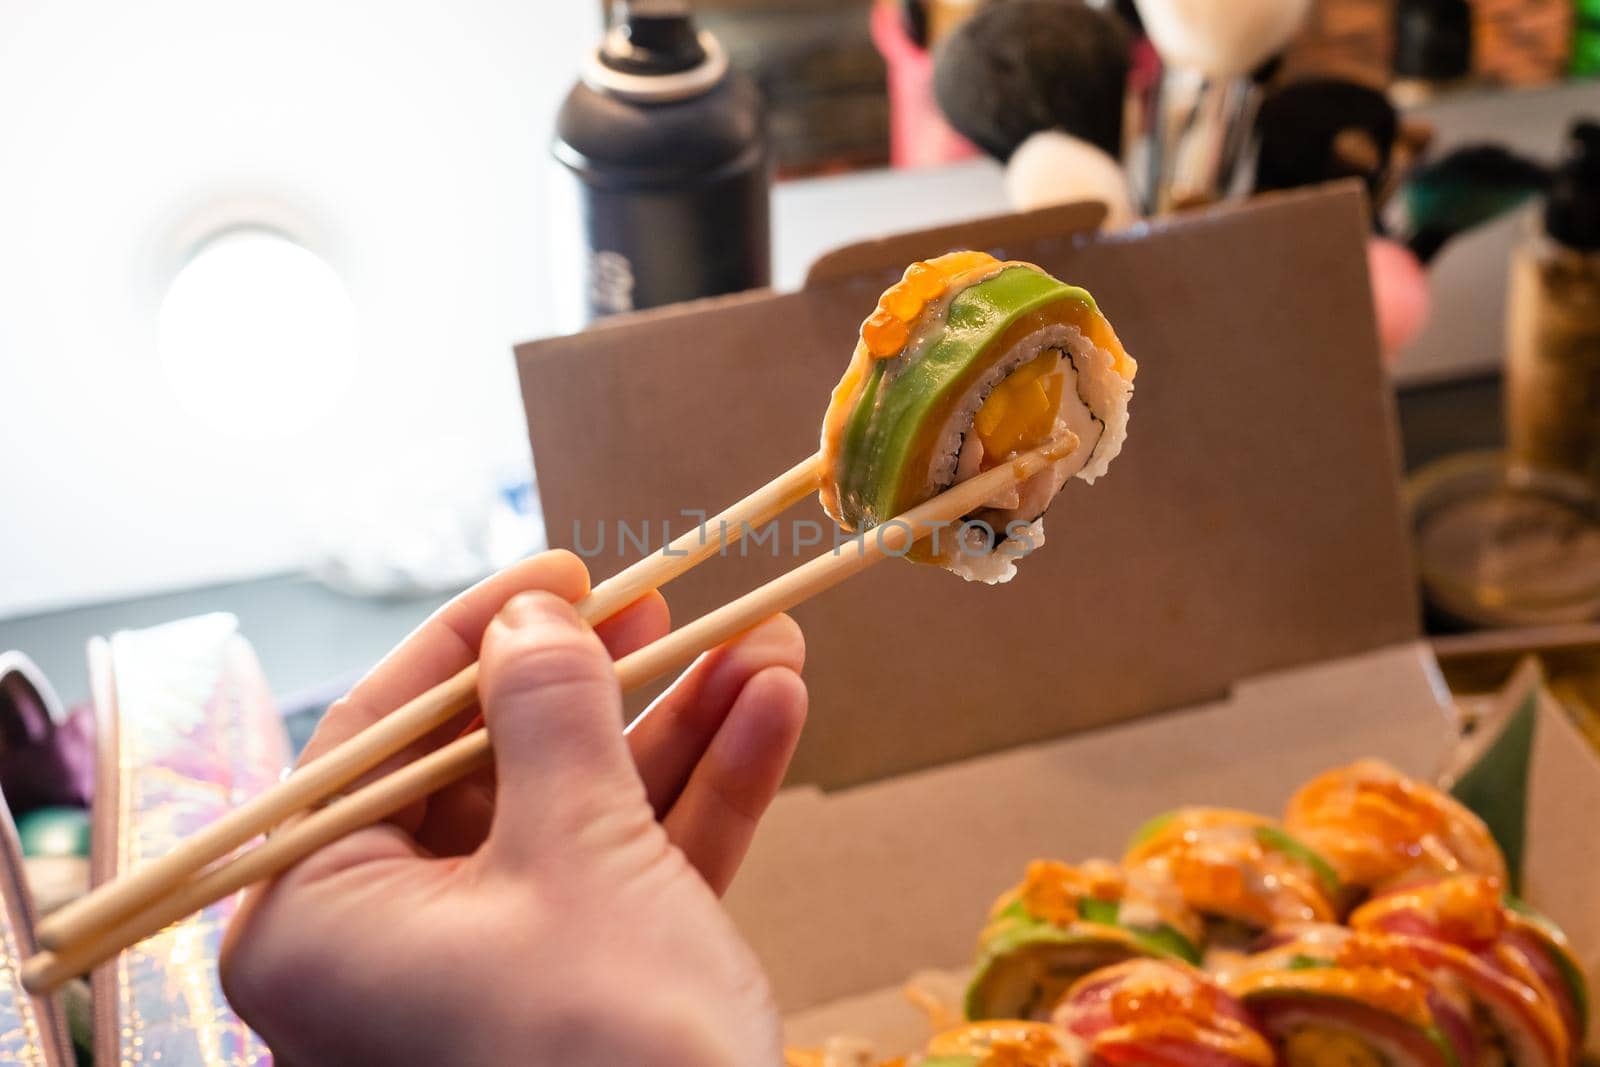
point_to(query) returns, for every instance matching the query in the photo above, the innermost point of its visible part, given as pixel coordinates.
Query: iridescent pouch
(33, 1030)
(186, 731)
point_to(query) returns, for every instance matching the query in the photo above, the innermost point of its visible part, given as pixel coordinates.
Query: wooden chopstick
(340, 766)
(46, 970)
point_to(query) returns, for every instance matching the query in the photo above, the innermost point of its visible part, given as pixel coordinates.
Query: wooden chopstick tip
(40, 975)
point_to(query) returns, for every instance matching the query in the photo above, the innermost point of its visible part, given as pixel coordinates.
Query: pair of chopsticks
(195, 874)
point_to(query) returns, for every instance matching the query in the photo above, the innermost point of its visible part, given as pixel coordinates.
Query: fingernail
(778, 631)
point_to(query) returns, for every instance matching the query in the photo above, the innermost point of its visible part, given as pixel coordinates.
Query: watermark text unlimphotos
(795, 537)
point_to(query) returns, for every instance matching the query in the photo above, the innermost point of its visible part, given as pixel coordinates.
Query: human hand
(561, 908)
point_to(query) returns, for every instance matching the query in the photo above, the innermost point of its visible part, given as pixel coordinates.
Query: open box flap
(1561, 861)
(1251, 524)
(888, 256)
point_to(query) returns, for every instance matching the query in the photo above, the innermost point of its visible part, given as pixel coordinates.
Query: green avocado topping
(1099, 911)
(1150, 828)
(891, 421)
(1163, 940)
(1577, 985)
(1026, 932)
(1277, 840)
(1019, 932)
(1302, 962)
(1446, 1049)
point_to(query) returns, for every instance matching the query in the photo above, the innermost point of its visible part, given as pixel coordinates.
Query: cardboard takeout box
(1230, 611)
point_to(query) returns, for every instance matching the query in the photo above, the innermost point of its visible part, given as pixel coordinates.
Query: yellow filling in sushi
(1021, 411)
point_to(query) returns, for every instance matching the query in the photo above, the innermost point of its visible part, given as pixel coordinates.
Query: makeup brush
(1221, 38)
(1206, 100)
(1323, 129)
(1041, 86)
(1016, 68)
(1465, 189)
(1052, 167)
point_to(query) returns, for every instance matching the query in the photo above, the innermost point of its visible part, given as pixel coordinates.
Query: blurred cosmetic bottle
(1432, 47)
(1553, 318)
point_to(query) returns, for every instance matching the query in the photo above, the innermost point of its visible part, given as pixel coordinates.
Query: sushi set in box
(1225, 629)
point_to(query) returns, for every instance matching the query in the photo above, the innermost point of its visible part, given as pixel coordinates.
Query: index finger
(443, 645)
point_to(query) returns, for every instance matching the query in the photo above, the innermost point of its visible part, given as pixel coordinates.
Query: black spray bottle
(662, 193)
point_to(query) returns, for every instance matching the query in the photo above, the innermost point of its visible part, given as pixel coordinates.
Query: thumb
(554, 713)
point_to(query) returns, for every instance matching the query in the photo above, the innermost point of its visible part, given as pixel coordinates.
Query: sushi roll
(1155, 1013)
(1380, 829)
(1241, 871)
(1532, 985)
(1063, 922)
(967, 361)
(1000, 1044)
(1547, 953)
(1327, 997)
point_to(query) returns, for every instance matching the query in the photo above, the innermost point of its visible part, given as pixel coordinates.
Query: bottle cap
(653, 54)
(1572, 214)
(1433, 39)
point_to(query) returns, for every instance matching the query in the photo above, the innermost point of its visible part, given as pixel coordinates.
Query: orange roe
(884, 334)
(888, 328)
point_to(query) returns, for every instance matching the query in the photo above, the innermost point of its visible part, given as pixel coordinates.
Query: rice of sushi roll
(966, 362)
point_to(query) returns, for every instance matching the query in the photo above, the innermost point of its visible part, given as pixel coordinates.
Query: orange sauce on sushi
(1375, 825)
(1171, 1006)
(1466, 910)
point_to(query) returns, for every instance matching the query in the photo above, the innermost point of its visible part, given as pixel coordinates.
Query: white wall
(402, 140)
